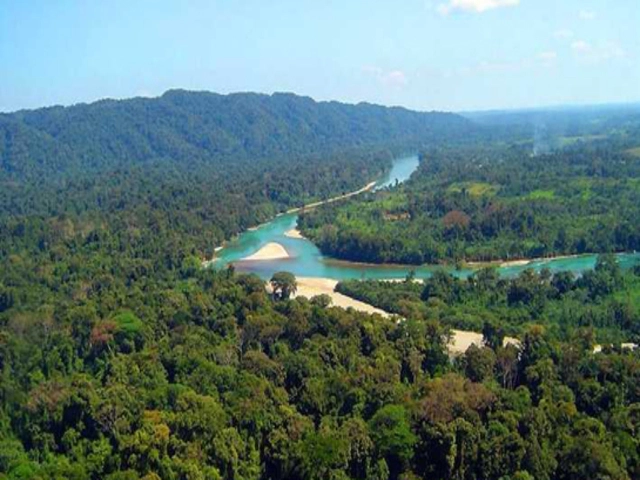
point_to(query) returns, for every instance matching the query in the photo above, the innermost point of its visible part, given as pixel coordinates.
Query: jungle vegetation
(122, 358)
(496, 201)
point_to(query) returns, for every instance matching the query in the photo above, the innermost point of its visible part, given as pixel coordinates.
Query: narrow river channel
(306, 260)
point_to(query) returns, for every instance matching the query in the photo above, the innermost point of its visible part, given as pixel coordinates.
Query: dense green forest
(122, 358)
(196, 129)
(494, 201)
(191, 164)
(201, 374)
(606, 300)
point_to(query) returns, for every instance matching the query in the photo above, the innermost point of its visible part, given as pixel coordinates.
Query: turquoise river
(306, 260)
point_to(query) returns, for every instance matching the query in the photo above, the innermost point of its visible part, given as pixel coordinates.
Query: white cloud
(388, 78)
(546, 59)
(587, 14)
(492, 67)
(547, 56)
(563, 33)
(613, 50)
(598, 53)
(394, 78)
(372, 70)
(581, 46)
(476, 6)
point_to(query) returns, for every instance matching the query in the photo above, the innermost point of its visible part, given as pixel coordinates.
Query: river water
(307, 260)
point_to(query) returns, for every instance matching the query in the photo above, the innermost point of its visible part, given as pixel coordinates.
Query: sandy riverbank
(461, 340)
(310, 287)
(624, 346)
(400, 280)
(517, 263)
(271, 251)
(366, 188)
(499, 263)
(294, 233)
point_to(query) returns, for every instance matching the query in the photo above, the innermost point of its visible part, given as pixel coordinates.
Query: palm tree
(283, 285)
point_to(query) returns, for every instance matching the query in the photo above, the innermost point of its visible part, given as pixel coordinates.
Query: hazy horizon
(446, 55)
(566, 106)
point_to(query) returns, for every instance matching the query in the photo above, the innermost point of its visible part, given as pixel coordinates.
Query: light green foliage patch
(568, 141)
(635, 152)
(128, 323)
(475, 189)
(542, 195)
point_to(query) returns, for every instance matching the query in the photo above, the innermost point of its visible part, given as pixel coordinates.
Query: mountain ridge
(204, 127)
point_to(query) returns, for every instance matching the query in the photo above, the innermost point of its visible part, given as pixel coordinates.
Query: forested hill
(122, 359)
(195, 167)
(201, 127)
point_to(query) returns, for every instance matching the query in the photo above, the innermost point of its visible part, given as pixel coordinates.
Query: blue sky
(440, 54)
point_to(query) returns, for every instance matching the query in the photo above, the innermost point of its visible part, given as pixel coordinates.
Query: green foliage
(128, 323)
(226, 388)
(604, 300)
(491, 202)
(169, 179)
(392, 434)
(283, 285)
(121, 359)
(635, 152)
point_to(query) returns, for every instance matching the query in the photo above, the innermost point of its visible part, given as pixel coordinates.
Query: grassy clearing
(634, 183)
(566, 141)
(634, 152)
(395, 201)
(542, 195)
(631, 295)
(583, 185)
(475, 189)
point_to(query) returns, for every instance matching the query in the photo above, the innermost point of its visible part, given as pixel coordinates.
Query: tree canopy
(122, 358)
(497, 201)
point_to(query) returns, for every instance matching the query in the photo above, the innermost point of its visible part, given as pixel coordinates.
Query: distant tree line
(121, 358)
(487, 203)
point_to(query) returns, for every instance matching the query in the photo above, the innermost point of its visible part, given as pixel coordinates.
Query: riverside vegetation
(122, 358)
(491, 203)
